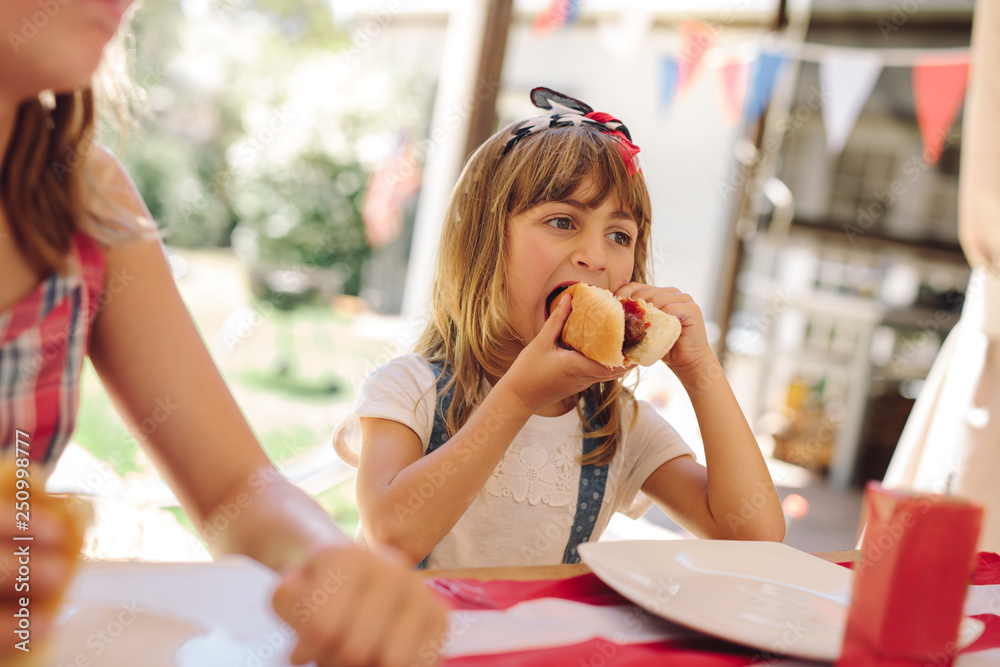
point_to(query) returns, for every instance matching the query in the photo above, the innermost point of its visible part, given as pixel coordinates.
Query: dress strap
(590, 492)
(439, 433)
(92, 269)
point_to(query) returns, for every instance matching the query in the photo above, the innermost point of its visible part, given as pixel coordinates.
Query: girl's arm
(165, 385)
(392, 470)
(732, 496)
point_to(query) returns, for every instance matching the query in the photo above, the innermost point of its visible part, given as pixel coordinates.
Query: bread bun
(596, 327)
(596, 324)
(663, 331)
(70, 515)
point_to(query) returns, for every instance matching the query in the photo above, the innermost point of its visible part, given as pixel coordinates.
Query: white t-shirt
(524, 513)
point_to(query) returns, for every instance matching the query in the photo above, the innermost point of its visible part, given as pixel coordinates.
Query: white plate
(765, 595)
(103, 635)
(127, 614)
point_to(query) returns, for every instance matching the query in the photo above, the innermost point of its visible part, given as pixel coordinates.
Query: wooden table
(533, 572)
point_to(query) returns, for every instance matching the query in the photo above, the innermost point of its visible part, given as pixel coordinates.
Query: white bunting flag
(846, 78)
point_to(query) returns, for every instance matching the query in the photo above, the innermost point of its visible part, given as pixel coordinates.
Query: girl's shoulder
(412, 369)
(405, 381)
(116, 212)
(91, 265)
(400, 390)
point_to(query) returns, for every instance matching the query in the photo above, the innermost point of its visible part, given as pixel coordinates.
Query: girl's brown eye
(621, 238)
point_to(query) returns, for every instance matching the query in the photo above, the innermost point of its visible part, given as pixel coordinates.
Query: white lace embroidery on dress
(535, 475)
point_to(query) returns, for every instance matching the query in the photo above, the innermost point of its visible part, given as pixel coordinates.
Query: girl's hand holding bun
(616, 331)
(692, 348)
(546, 372)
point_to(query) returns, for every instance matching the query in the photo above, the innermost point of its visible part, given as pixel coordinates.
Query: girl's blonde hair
(45, 188)
(470, 327)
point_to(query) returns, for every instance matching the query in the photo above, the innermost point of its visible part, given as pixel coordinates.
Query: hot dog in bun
(614, 331)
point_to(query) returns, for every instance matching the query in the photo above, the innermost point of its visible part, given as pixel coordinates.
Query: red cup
(917, 559)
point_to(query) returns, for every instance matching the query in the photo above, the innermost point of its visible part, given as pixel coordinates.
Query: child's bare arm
(155, 367)
(410, 501)
(732, 496)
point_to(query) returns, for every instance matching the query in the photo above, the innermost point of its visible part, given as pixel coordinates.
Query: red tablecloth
(687, 647)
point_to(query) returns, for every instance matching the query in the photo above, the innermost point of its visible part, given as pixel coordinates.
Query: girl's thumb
(557, 318)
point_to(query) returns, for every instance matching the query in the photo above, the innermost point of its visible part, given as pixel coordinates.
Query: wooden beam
(733, 252)
(482, 123)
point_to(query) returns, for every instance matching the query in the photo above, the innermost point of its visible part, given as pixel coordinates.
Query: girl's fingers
(661, 298)
(416, 635)
(550, 333)
(628, 290)
(595, 371)
(557, 318)
(644, 292)
(664, 301)
(48, 529)
(375, 615)
(361, 609)
(687, 312)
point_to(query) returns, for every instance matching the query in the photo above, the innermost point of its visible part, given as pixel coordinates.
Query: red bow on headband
(627, 149)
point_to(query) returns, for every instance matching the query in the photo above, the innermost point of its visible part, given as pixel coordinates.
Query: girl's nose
(591, 253)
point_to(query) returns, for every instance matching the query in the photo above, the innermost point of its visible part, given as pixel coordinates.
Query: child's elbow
(774, 532)
(762, 529)
(768, 530)
(383, 534)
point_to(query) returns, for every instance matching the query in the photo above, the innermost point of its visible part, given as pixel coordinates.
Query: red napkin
(917, 560)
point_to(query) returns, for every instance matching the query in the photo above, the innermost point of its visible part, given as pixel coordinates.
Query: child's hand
(352, 607)
(692, 348)
(545, 372)
(51, 556)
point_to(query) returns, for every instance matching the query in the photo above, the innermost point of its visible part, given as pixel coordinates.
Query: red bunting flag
(938, 93)
(696, 39)
(389, 187)
(558, 14)
(732, 79)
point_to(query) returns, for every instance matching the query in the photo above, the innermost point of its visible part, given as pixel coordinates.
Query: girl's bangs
(559, 162)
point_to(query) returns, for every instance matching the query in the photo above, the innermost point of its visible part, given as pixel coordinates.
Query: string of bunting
(747, 74)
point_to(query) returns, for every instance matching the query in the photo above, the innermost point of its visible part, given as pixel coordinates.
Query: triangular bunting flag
(696, 39)
(846, 79)
(388, 189)
(558, 14)
(733, 80)
(763, 74)
(938, 93)
(668, 82)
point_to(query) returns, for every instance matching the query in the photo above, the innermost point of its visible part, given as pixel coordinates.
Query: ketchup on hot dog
(635, 327)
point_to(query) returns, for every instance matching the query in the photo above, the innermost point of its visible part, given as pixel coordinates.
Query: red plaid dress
(43, 339)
